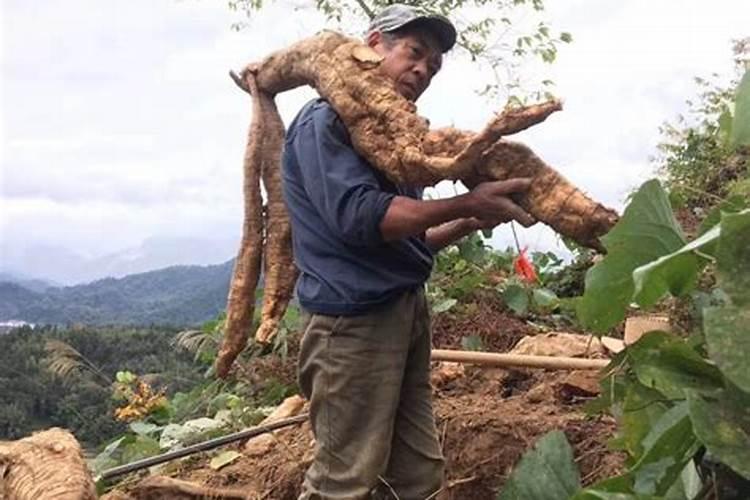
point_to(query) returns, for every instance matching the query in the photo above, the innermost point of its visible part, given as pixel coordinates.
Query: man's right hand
(490, 202)
(487, 205)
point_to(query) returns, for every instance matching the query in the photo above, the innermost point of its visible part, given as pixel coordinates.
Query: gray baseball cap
(399, 15)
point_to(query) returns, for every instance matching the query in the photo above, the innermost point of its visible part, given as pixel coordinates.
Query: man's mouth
(411, 88)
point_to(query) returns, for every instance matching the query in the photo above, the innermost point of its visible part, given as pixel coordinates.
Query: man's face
(410, 61)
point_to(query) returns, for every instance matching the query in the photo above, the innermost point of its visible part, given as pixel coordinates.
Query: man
(364, 248)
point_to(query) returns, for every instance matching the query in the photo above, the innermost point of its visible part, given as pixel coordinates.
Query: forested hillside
(179, 295)
(44, 383)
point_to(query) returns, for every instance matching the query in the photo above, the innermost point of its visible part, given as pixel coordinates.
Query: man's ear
(374, 38)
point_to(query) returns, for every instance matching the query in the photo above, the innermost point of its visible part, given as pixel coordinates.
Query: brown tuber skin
(46, 465)
(241, 301)
(386, 131)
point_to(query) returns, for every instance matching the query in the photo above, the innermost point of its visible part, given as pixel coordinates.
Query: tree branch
(367, 9)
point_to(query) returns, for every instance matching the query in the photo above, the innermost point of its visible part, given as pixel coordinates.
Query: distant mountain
(66, 267)
(177, 295)
(35, 285)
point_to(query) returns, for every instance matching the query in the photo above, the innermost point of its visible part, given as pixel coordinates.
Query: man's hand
(491, 203)
(487, 205)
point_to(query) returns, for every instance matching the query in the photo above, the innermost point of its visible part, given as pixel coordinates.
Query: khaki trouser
(367, 379)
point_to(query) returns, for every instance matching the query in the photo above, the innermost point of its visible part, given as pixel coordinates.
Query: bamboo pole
(518, 360)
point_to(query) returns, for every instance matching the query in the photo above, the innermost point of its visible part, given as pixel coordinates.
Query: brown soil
(485, 316)
(487, 419)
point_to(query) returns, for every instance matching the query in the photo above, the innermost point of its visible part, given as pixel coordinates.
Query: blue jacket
(336, 202)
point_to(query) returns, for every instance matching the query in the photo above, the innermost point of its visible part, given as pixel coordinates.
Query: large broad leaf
(516, 297)
(727, 331)
(675, 273)
(741, 126)
(547, 472)
(723, 425)
(641, 409)
(733, 257)
(613, 488)
(647, 231)
(669, 365)
(669, 445)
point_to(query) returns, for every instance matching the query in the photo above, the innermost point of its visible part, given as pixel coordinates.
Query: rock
(446, 372)
(637, 326)
(577, 385)
(262, 444)
(559, 344)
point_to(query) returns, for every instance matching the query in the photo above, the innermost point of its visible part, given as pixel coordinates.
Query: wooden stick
(203, 446)
(518, 360)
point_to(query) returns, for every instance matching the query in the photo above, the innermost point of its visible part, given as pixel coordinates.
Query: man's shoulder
(320, 114)
(319, 110)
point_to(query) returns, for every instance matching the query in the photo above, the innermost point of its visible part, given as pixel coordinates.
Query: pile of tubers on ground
(386, 130)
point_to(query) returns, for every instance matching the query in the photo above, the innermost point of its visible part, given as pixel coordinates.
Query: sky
(119, 122)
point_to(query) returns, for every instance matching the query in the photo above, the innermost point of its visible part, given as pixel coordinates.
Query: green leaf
(725, 127)
(733, 204)
(723, 425)
(677, 198)
(105, 459)
(547, 472)
(143, 428)
(646, 231)
(444, 306)
(689, 485)
(142, 447)
(669, 365)
(727, 331)
(517, 299)
(733, 257)
(641, 409)
(669, 445)
(545, 300)
(675, 273)
(472, 343)
(741, 125)
(223, 459)
(125, 377)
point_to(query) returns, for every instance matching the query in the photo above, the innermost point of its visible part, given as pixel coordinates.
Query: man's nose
(422, 71)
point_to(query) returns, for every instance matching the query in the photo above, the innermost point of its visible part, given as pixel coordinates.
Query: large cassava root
(46, 465)
(386, 130)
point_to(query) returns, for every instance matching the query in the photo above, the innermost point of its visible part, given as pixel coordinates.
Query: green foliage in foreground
(678, 402)
(682, 404)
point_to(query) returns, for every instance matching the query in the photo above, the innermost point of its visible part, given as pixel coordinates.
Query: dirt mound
(487, 419)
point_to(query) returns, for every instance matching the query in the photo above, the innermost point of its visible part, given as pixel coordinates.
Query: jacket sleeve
(340, 184)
